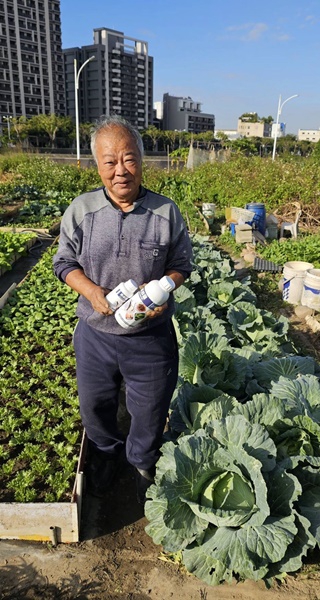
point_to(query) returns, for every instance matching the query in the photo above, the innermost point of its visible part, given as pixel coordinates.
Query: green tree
(287, 144)
(316, 151)
(250, 117)
(154, 134)
(20, 127)
(172, 137)
(85, 134)
(51, 125)
(268, 119)
(207, 137)
(244, 146)
(254, 118)
(184, 139)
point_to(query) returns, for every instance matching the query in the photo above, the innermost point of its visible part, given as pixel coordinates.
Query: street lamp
(76, 85)
(280, 105)
(8, 119)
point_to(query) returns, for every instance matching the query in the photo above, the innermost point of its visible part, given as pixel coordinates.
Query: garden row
(237, 487)
(40, 423)
(13, 246)
(40, 431)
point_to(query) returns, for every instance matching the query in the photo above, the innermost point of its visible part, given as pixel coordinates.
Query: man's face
(119, 165)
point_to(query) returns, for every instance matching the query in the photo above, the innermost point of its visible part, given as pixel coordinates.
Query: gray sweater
(111, 246)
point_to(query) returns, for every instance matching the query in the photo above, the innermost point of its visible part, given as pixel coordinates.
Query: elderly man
(118, 232)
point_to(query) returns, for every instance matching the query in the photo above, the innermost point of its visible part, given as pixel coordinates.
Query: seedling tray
(46, 522)
(266, 266)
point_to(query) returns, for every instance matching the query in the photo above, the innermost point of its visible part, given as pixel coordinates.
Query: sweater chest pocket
(153, 251)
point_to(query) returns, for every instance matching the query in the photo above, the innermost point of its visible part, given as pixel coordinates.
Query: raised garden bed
(41, 452)
(13, 246)
(47, 522)
(53, 229)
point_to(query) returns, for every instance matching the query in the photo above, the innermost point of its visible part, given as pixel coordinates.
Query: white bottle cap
(131, 286)
(167, 283)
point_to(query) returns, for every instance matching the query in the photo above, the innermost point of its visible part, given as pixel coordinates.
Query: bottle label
(117, 297)
(123, 297)
(146, 300)
(135, 310)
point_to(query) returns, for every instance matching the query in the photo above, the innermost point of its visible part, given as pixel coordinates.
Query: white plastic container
(311, 289)
(208, 210)
(135, 310)
(121, 293)
(294, 273)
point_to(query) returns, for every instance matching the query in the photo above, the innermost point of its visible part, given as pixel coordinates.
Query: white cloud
(283, 37)
(256, 32)
(239, 27)
(253, 31)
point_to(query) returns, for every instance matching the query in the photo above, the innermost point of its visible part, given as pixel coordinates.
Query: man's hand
(151, 314)
(99, 302)
(78, 281)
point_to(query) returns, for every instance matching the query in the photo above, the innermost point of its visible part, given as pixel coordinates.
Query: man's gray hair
(107, 123)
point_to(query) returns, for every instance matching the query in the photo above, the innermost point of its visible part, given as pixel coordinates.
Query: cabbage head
(220, 497)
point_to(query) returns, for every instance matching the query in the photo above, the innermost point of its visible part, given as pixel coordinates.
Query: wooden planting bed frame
(54, 230)
(45, 521)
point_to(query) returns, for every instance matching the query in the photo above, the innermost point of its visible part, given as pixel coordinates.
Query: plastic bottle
(135, 310)
(121, 293)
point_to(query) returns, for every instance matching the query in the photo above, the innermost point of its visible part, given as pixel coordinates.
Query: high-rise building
(184, 114)
(31, 60)
(119, 80)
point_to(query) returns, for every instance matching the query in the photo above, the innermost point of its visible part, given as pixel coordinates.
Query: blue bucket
(259, 218)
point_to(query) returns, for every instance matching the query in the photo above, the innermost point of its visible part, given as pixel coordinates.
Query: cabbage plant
(220, 497)
(222, 294)
(237, 487)
(257, 327)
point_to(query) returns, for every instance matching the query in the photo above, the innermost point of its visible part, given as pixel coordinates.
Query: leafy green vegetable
(237, 486)
(220, 497)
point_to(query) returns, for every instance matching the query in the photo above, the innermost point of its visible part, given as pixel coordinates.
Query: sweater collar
(135, 204)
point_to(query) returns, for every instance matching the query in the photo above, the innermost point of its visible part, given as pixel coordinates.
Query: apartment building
(119, 80)
(184, 114)
(248, 128)
(310, 135)
(31, 60)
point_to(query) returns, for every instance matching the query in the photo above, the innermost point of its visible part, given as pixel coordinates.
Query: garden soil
(117, 560)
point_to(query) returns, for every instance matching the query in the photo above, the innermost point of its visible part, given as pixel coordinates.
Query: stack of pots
(301, 284)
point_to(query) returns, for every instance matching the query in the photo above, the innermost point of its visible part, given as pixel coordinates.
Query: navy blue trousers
(147, 361)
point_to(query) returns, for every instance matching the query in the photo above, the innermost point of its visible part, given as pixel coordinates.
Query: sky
(232, 56)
